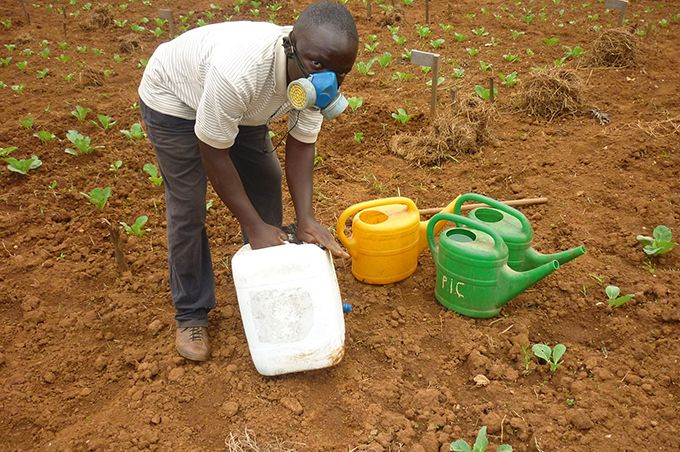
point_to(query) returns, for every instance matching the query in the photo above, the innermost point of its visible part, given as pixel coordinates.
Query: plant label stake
(26, 15)
(427, 12)
(430, 60)
(368, 8)
(491, 96)
(621, 5)
(167, 15)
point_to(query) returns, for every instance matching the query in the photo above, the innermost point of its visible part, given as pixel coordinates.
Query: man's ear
(287, 47)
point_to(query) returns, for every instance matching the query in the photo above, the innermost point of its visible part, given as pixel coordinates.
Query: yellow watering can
(387, 237)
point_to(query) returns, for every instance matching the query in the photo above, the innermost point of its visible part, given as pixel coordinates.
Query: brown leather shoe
(192, 343)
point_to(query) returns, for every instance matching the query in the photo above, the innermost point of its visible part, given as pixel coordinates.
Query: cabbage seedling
(364, 68)
(115, 166)
(401, 116)
(98, 196)
(385, 59)
(135, 133)
(105, 122)
(423, 31)
(460, 37)
(358, 137)
(4, 152)
(355, 102)
(23, 166)
(437, 43)
(660, 242)
(80, 113)
(509, 80)
(44, 136)
(152, 171)
(401, 76)
(543, 351)
(484, 93)
(81, 142)
(481, 443)
(615, 300)
(27, 122)
(137, 228)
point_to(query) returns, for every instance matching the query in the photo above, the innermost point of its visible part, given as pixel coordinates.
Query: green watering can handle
(340, 226)
(474, 224)
(526, 227)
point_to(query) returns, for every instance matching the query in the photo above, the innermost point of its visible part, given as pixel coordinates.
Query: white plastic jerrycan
(290, 306)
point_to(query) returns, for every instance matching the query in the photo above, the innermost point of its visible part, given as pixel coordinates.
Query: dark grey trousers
(176, 145)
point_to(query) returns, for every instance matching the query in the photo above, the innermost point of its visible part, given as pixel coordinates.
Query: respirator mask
(318, 90)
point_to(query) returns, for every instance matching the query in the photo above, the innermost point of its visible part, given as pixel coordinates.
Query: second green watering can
(516, 232)
(473, 276)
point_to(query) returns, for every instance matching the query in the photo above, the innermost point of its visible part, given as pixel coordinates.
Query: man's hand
(264, 235)
(310, 231)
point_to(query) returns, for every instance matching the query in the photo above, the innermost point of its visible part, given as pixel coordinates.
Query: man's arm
(225, 180)
(299, 167)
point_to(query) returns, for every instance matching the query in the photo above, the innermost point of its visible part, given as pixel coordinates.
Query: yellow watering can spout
(422, 241)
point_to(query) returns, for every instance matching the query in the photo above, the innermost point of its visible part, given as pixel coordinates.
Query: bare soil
(86, 353)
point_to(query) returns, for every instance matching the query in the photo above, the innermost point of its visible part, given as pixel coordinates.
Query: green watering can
(516, 232)
(473, 276)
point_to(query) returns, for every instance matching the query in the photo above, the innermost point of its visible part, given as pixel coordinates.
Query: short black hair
(329, 13)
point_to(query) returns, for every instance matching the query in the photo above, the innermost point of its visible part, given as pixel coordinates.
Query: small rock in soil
(176, 374)
(492, 421)
(229, 408)
(293, 405)
(100, 363)
(155, 326)
(580, 419)
(481, 380)
(49, 377)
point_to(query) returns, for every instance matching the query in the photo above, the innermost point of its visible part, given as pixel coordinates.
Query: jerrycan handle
(526, 227)
(460, 219)
(351, 210)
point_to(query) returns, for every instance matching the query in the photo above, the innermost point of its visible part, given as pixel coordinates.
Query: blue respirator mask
(319, 90)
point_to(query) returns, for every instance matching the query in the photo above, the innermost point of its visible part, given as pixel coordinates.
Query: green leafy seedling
(615, 300)
(484, 93)
(660, 243)
(401, 116)
(115, 166)
(509, 80)
(154, 175)
(358, 137)
(98, 196)
(105, 122)
(44, 136)
(364, 67)
(385, 59)
(137, 228)
(135, 133)
(27, 122)
(355, 102)
(554, 359)
(23, 166)
(81, 142)
(80, 113)
(481, 443)
(4, 152)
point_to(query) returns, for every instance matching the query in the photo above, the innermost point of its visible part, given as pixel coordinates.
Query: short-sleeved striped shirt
(225, 75)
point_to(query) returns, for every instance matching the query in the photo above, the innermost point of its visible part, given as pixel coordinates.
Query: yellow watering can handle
(351, 210)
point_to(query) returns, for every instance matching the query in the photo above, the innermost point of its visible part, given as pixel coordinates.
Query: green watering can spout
(534, 258)
(512, 283)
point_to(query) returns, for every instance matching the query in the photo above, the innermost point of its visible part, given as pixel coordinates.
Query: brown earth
(86, 354)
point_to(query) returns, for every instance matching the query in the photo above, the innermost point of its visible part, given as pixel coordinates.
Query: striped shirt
(225, 75)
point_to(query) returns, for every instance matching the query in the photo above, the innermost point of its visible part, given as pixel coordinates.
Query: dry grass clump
(616, 47)
(246, 442)
(551, 93)
(460, 129)
(100, 17)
